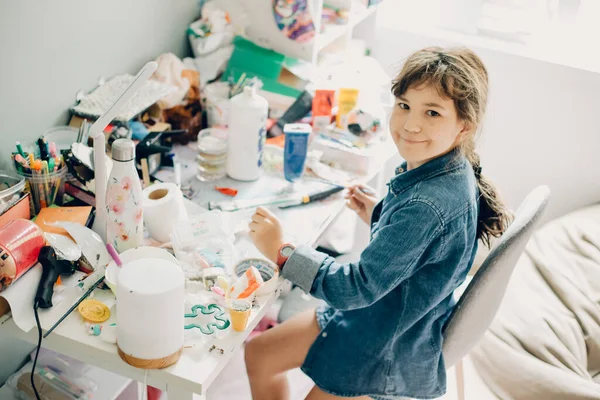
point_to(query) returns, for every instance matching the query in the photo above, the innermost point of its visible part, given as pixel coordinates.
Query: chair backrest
(481, 300)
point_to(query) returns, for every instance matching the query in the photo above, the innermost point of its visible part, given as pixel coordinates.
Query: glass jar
(212, 154)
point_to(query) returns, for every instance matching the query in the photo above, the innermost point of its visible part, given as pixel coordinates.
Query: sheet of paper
(20, 296)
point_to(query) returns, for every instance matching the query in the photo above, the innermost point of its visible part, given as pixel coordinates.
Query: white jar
(247, 134)
(124, 222)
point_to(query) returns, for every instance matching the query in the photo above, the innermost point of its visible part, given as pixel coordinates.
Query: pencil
(145, 173)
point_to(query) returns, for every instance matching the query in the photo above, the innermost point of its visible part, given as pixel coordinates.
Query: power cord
(39, 345)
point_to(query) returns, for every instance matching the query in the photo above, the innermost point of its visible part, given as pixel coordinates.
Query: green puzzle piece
(219, 315)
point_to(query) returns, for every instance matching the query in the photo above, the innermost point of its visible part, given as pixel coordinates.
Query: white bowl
(112, 270)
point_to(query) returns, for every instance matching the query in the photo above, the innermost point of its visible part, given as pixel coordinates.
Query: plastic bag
(202, 242)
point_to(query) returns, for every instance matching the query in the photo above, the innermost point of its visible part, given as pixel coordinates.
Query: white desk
(197, 367)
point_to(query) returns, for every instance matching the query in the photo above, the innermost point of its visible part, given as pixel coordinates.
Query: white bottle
(124, 222)
(247, 134)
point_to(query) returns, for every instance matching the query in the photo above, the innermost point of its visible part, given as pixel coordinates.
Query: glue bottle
(247, 134)
(125, 225)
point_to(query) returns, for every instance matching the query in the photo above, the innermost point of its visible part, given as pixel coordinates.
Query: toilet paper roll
(163, 209)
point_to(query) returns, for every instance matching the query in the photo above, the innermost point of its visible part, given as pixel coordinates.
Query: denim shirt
(381, 331)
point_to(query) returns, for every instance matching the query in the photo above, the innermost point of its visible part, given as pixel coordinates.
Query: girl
(380, 334)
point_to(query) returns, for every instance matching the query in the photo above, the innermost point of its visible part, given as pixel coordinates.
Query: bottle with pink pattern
(125, 225)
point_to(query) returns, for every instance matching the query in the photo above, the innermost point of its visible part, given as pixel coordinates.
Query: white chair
(481, 299)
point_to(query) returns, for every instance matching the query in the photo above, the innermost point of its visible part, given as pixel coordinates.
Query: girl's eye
(403, 106)
(432, 113)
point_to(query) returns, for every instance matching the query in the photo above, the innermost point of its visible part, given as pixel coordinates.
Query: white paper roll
(163, 208)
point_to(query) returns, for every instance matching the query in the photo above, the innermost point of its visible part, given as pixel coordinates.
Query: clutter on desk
(163, 209)
(20, 244)
(152, 339)
(125, 229)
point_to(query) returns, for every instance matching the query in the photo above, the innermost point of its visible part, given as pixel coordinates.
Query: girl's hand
(266, 233)
(362, 200)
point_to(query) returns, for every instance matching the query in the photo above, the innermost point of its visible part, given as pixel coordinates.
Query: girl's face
(424, 125)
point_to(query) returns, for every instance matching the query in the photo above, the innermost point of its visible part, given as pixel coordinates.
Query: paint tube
(322, 106)
(347, 102)
(295, 150)
(298, 110)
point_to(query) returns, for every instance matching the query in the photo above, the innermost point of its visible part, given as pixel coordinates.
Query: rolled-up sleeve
(411, 239)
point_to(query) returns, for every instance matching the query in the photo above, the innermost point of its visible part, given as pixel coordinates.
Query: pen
(313, 197)
(43, 145)
(52, 147)
(20, 149)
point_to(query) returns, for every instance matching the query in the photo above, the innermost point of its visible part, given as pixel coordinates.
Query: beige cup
(239, 312)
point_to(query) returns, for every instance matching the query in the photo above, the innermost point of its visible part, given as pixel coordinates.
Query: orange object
(227, 191)
(48, 216)
(322, 108)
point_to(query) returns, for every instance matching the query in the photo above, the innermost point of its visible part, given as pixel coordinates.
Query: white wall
(542, 125)
(51, 49)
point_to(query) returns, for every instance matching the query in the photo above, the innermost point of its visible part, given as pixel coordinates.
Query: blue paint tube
(295, 150)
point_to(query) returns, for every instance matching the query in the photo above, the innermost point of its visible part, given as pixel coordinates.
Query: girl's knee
(252, 356)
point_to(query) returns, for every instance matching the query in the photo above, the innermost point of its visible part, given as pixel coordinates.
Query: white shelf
(358, 13)
(110, 385)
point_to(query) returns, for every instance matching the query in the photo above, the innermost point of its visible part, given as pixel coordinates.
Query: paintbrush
(74, 306)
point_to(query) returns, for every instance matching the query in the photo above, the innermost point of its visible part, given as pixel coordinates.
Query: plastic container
(247, 134)
(20, 243)
(212, 154)
(217, 104)
(45, 189)
(63, 136)
(11, 188)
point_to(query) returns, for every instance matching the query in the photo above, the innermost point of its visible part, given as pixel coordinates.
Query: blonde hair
(459, 74)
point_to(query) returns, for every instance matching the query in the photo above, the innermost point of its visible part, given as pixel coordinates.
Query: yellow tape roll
(94, 311)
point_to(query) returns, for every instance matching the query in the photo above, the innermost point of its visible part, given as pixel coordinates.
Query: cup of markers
(44, 171)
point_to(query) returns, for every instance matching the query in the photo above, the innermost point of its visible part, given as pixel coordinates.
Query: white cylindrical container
(247, 134)
(150, 317)
(124, 223)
